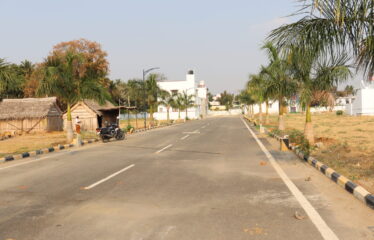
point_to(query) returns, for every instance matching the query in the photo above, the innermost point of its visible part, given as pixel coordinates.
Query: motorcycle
(110, 131)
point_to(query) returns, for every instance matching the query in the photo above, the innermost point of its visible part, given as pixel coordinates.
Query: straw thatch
(27, 108)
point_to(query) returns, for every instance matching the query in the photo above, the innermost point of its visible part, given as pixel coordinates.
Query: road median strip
(356, 190)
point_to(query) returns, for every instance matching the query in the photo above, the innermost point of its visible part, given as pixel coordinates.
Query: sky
(219, 40)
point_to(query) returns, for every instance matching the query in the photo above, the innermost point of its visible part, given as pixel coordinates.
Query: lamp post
(145, 72)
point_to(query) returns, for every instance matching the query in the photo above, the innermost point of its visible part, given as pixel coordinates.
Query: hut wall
(25, 125)
(54, 123)
(88, 118)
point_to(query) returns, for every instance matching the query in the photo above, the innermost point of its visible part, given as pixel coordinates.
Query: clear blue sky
(220, 40)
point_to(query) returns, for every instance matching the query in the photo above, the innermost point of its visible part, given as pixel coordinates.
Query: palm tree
(153, 91)
(317, 76)
(247, 99)
(64, 78)
(5, 77)
(333, 26)
(168, 101)
(188, 101)
(280, 84)
(257, 87)
(179, 104)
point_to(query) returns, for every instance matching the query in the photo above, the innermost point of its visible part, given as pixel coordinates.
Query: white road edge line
(317, 220)
(182, 138)
(164, 148)
(109, 177)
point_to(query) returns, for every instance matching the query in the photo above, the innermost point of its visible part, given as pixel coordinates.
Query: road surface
(206, 179)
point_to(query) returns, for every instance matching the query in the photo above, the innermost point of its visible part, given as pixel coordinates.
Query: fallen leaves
(255, 231)
(298, 216)
(263, 163)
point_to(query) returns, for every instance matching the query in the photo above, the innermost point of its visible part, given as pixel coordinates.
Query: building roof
(13, 109)
(107, 106)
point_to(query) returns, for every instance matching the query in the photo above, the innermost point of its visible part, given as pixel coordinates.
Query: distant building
(189, 86)
(363, 104)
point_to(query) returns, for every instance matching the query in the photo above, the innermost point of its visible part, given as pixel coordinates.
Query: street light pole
(145, 72)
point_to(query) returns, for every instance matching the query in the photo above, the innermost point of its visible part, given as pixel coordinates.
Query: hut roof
(11, 109)
(107, 106)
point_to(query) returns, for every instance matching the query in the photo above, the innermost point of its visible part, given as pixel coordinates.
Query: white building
(189, 86)
(363, 104)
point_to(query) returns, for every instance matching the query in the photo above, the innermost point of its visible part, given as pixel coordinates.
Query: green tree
(280, 84)
(247, 100)
(153, 92)
(168, 101)
(179, 104)
(65, 77)
(332, 27)
(316, 75)
(12, 80)
(226, 99)
(257, 87)
(188, 101)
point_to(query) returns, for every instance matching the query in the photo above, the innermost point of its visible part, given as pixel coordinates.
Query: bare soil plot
(348, 143)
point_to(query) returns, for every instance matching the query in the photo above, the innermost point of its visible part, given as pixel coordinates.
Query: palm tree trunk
(186, 113)
(260, 114)
(267, 113)
(69, 126)
(252, 111)
(168, 116)
(308, 130)
(281, 125)
(179, 113)
(136, 118)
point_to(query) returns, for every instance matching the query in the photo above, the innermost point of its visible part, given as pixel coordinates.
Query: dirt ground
(348, 143)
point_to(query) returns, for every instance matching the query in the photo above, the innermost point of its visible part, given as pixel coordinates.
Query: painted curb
(359, 192)
(66, 146)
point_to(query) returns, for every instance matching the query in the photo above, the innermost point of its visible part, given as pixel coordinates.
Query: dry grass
(30, 142)
(35, 141)
(140, 123)
(348, 143)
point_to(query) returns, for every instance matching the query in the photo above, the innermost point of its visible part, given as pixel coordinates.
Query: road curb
(356, 190)
(66, 146)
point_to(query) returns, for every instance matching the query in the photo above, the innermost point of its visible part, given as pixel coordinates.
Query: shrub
(128, 128)
(339, 112)
(296, 136)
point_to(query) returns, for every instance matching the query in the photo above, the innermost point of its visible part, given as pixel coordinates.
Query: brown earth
(348, 143)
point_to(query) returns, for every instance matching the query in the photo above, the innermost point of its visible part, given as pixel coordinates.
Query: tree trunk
(281, 125)
(308, 130)
(168, 116)
(267, 113)
(260, 114)
(136, 118)
(252, 111)
(151, 115)
(179, 113)
(69, 126)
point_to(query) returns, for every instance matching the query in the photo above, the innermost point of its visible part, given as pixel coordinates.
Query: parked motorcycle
(110, 131)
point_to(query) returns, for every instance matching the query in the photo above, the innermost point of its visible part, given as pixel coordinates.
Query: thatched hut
(30, 115)
(93, 115)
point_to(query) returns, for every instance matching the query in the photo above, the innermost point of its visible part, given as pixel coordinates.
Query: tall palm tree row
(280, 84)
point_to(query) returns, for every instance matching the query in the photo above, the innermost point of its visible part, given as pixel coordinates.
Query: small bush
(296, 136)
(339, 112)
(128, 128)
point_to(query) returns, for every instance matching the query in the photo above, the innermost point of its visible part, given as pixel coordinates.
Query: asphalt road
(205, 179)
